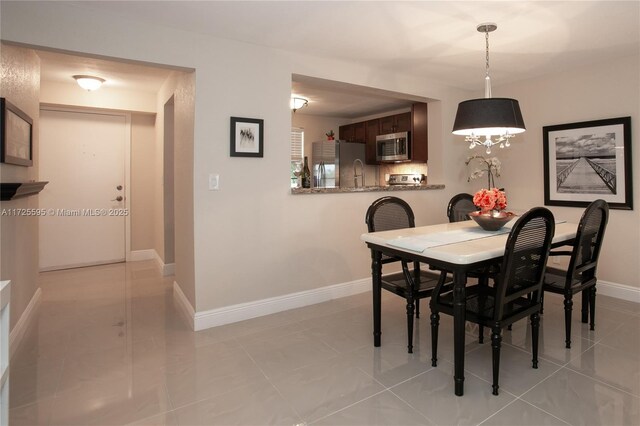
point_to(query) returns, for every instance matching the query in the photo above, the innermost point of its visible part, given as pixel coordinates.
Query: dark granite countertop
(388, 188)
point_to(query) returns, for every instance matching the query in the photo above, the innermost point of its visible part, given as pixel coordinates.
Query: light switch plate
(214, 182)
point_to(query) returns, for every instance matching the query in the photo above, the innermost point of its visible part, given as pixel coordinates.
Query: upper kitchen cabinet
(414, 121)
(419, 133)
(372, 129)
(395, 123)
(353, 132)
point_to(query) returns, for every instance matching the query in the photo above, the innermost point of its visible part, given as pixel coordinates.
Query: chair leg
(541, 302)
(483, 282)
(568, 306)
(495, 345)
(585, 306)
(416, 279)
(535, 329)
(592, 308)
(435, 322)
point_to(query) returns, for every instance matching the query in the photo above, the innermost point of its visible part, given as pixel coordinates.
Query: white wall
(181, 86)
(252, 239)
(602, 90)
(107, 97)
(143, 178)
(19, 234)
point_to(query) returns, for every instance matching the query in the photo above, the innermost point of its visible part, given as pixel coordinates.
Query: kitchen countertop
(387, 188)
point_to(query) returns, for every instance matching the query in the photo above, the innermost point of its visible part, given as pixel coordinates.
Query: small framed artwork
(586, 161)
(16, 134)
(247, 137)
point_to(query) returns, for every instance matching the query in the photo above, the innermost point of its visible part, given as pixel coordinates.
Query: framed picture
(586, 161)
(247, 137)
(16, 132)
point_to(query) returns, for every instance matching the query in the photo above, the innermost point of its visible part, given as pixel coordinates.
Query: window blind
(297, 144)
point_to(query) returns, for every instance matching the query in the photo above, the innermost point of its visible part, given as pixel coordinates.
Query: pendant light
(488, 121)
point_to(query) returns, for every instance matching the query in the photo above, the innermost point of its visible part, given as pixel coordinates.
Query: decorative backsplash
(387, 169)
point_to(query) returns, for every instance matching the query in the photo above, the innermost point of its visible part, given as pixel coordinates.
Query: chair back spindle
(588, 242)
(459, 207)
(525, 259)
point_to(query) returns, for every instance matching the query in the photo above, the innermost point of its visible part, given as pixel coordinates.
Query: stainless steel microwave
(394, 147)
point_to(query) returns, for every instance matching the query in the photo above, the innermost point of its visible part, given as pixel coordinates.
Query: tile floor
(109, 346)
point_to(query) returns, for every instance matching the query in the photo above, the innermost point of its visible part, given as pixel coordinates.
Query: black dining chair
(460, 206)
(580, 276)
(389, 213)
(517, 291)
(458, 210)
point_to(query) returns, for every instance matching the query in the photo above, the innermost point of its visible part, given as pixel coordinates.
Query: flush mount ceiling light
(297, 103)
(488, 121)
(89, 82)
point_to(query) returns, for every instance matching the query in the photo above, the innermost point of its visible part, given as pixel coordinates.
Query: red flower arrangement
(490, 199)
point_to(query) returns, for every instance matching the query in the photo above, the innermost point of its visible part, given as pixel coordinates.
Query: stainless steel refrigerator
(333, 165)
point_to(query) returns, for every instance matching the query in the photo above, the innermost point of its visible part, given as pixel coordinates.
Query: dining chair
(385, 214)
(458, 210)
(580, 275)
(517, 291)
(460, 206)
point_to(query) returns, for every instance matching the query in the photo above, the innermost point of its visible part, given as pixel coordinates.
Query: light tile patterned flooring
(109, 346)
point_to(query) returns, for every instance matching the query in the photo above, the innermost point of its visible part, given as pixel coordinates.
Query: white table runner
(420, 243)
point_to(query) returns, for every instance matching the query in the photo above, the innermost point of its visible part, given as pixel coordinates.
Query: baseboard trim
(19, 330)
(258, 308)
(138, 255)
(619, 291)
(184, 305)
(168, 269)
(80, 265)
(243, 311)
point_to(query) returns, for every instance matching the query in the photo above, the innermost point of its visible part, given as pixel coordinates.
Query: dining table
(459, 248)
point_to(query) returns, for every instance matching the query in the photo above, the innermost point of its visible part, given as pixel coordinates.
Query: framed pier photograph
(586, 161)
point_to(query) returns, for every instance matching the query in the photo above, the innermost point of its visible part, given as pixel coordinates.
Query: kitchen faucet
(355, 174)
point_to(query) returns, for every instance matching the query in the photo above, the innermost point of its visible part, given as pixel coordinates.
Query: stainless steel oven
(393, 148)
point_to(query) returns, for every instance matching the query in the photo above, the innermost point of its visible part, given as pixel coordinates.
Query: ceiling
(430, 39)
(60, 67)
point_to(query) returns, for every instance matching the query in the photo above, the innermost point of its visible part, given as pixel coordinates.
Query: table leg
(459, 309)
(376, 274)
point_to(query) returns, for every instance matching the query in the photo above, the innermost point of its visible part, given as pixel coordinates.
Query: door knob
(119, 187)
(118, 198)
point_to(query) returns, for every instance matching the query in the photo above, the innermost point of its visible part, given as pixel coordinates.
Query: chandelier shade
(488, 121)
(488, 116)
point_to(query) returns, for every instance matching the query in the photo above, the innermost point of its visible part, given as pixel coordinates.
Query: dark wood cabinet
(395, 123)
(354, 132)
(345, 132)
(419, 133)
(371, 130)
(414, 121)
(403, 122)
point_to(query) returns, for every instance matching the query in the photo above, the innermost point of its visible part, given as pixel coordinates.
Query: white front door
(82, 155)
